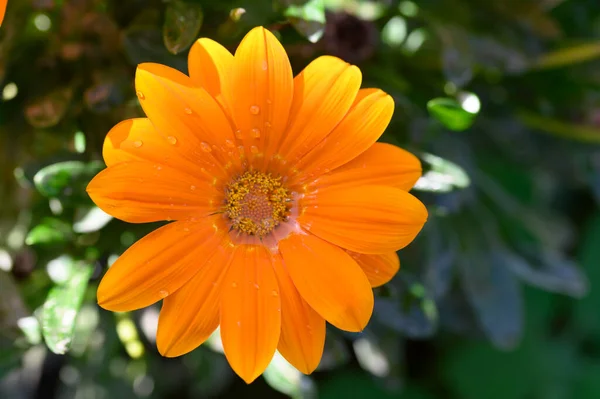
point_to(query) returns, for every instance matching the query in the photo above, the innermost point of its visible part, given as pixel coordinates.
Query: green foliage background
(497, 297)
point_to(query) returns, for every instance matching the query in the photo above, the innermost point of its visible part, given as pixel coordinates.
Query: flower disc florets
(256, 203)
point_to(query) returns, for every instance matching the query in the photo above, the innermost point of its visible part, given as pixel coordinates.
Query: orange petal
(323, 94)
(381, 165)
(329, 280)
(137, 140)
(250, 312)
(363, 125)
(379, 269)
(261, 93)
(139, 192)
(190, 315)
(364, 219)
(2, 10)
(157, 265)
(210, 66)
(302, 329)
(185, 115)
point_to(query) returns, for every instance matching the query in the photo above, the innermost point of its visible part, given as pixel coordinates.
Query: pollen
(256, 203)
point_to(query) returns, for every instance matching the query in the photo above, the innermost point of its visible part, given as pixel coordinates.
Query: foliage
(498, 98)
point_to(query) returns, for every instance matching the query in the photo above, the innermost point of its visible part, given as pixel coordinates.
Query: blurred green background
(498, 297)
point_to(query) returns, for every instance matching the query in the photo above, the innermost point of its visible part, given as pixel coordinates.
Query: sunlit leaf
(568, 56)
(308, 19)
(61, 308)
(283, 377)
(559, 128)
(66, 179)
(49, 231)
(394, 31)
(88, 220)
(450, 113)
(183, 21)
(441, 175)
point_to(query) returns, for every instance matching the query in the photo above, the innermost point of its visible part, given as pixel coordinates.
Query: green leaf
(494, 294)
(308, 19)
(182, 24)
(66, 179)
(450, 113)
(571, 131)
(551, 272)
(568, 56)
(88, 220)
(50, 231)
(442, 175)
(283, 377)
(61, 307)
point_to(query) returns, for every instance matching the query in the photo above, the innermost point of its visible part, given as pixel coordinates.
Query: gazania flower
(285, 210)
(2, 10)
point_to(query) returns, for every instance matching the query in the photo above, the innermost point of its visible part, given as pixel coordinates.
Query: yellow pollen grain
(256, 203)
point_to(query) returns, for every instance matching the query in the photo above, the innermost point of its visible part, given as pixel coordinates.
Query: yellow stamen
(256, 203)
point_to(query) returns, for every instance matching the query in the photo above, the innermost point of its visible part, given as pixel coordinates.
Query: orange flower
(2, 10)
(286, 210)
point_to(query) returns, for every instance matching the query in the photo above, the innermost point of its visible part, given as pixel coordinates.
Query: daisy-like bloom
(285, 210)
(2, 10)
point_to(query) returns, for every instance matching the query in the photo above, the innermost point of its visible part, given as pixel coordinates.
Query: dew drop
(234, 285)
(229, 143)
(238, 134)
(255, 133)
(137, 143)
(205, 147)
(186, 229)
(268, 124)
(274, 293)
(254, 149)
(239, 323)
(192, 187)
(265, 65)
(256, 286)
(172, 140)
(163, 293)
(140, 95)
(188, 111)
(254, 109)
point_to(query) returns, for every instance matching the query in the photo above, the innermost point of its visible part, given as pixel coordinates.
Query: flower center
(256, 203)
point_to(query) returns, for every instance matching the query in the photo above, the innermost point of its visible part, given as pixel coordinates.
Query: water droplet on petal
(234, 285)
(239, 323)
(238, 134)
(256, 286)
(255, 133)
(269, 101)
(137, 143)
(274, 293)
(254, 149)
(188, 111)
(192, 187)
(140, 95)
(186, 229)
(268, 124)
(254, 109)
(229, 143)
(205, 147)
(163, 293)
(172, 140)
